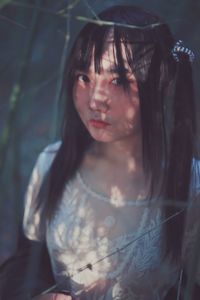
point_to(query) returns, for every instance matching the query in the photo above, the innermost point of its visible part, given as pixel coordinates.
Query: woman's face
(109, 112)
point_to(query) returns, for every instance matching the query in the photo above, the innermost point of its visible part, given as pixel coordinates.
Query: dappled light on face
(130, 113)
(103, 116)
(101, 95)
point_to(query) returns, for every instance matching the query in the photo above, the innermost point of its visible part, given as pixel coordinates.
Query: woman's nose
(99, 98)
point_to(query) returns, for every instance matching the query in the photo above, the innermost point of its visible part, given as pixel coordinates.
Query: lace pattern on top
(88, 227)
(111, 200)
(126, 268)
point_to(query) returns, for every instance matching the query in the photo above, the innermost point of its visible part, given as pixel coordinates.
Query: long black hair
(167, 109)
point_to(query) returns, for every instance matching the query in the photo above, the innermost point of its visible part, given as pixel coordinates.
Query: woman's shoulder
(51, 149)
(32, 218)
(47, 155)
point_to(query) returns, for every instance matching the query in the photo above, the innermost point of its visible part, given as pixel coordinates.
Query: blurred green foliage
(4, 2)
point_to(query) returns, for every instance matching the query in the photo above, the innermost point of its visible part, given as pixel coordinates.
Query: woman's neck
(123, 154)
(118, 165)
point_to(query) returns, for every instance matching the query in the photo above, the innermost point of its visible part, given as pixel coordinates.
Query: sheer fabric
(107, 248)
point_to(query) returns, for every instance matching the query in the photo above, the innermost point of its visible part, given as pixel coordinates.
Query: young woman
(111, 199)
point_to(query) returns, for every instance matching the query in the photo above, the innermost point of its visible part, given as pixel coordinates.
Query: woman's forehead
(108, 61)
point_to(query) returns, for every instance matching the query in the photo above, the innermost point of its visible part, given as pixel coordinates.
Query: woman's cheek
(80, 103)
(77, 99)
(80, 97)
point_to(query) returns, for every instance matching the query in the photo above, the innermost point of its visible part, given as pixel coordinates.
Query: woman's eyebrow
(81, 71)
(117, 69)
(113, 69)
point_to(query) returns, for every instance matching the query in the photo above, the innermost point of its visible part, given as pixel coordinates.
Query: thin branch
(90, 8)
(109, 23)
(90, 265)
(4, 18)
(179, 285)
(69, 7)
(136, 239)
(38, 8)
(60, 13)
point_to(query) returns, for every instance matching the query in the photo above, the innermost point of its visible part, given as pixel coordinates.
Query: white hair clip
(178, 47)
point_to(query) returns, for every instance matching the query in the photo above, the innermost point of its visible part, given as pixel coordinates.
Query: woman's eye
(117, 81)
(82, 78)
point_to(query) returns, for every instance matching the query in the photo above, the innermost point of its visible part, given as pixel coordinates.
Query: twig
(36, 7)
(60, 13)
(90, 265)
(90, 8)
(179, 285)
(4, 18)
(137, 238)
(69, 6)
(109, 23)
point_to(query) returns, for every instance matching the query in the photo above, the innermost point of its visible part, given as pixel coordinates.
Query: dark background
(35, 37)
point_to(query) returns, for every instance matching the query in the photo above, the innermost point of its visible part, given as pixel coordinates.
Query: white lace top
(106, 248)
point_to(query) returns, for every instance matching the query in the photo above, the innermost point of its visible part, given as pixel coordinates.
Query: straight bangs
(141, 33)
(138, 44)
(89, 46)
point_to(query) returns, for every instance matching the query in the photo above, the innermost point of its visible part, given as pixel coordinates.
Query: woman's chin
(101, 137)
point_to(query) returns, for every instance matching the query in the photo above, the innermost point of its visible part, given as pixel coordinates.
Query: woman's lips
(98, 123)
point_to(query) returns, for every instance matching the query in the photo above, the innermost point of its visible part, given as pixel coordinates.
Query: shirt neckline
(126, 202)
